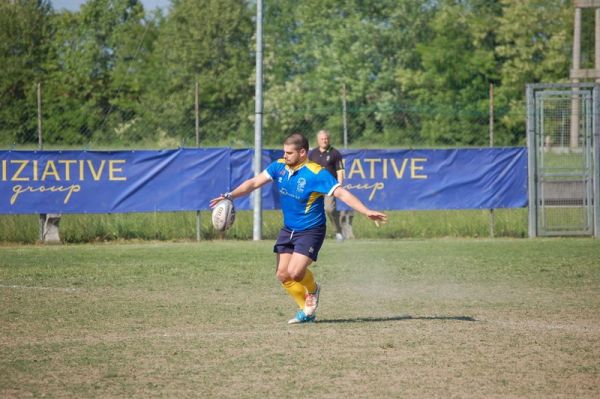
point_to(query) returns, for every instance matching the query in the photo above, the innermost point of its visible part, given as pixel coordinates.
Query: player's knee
(282, 276)
(297, 275)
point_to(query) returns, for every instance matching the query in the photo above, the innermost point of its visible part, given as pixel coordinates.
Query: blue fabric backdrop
(187, 178)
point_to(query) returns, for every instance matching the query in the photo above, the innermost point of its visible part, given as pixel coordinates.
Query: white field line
(25, 287)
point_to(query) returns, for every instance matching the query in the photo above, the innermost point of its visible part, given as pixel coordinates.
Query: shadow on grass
(395, 318)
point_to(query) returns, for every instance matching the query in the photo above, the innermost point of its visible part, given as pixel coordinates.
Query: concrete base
(50, 233)
(346, 222)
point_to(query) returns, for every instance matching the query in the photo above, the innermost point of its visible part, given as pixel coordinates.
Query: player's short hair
(325, 132)
(297, 140)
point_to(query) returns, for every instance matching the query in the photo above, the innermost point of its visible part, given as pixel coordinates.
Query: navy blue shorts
(307, 242)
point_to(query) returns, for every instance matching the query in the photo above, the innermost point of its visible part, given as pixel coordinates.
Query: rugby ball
(223, 215)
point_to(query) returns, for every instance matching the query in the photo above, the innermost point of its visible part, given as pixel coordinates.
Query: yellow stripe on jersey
(297, 167)
(314, 167)
(313, 197)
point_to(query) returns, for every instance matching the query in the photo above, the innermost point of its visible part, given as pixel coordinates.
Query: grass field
(442, 318)
(182, 225)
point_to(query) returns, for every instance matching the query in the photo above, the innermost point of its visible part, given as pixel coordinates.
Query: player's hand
(215, 201)
(377, 217)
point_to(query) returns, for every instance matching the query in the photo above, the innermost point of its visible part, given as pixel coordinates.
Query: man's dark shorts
(307, 242)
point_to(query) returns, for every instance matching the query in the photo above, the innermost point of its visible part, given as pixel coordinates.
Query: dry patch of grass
(432, 318)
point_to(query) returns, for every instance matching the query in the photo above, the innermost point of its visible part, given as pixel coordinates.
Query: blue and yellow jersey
(301, 190)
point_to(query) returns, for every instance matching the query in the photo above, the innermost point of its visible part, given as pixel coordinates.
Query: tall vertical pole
(596, 158)
(40, 147)
(597, 43)
(345, 123)
(39, 118)
(491, 121)
(491, 127)
(596, 132)
(574, 142)
(258, 110)
(344, 115)
(531, 164)
(197, 113)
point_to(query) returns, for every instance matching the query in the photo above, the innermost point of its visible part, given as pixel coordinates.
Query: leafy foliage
(25, 31)
(534, 44)
(414, 72)
(207, 41)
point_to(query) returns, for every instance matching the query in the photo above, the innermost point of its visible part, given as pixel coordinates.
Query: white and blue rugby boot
(301, 317)
(312, 301)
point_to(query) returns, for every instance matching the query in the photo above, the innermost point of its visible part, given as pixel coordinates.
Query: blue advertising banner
(111, 182)
(186, 179)
(478, 178)
(242, 162)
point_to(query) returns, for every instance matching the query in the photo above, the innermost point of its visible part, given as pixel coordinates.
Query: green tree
(534, 43)
(24, 34)
(449, 88)
(94, 85)
(314, 48)
(416, 72)
(209, 41)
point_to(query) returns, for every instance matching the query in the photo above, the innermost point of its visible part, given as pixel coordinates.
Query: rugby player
(302, 185)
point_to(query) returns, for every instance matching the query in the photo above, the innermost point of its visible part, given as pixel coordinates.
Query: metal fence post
(596, 159)
(258, 112)
(491, 128)
(346, 215)
(344, 116)
(531, 154)
(197, 114)
(42, 216)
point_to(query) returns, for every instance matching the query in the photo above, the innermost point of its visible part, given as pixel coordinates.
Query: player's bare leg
(299, 271)
(298, 281)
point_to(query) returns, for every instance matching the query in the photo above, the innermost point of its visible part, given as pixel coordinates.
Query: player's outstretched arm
(244, 189)
(356, 204)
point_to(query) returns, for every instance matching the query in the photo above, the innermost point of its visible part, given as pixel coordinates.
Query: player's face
(323, 141)
(292, 155)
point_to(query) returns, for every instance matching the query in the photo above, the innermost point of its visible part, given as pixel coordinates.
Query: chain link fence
(45, 123)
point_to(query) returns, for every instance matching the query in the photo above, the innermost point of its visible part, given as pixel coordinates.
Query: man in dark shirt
(331, 159)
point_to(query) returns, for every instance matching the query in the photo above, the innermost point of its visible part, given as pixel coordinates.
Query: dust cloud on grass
(428, 318)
